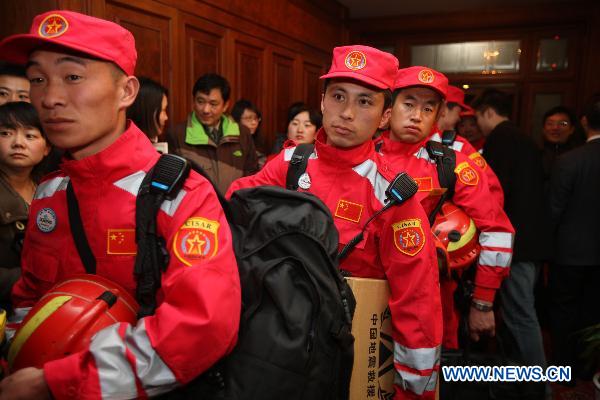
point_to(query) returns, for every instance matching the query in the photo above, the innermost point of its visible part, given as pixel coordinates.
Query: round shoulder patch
(53, 26)
(409, 237)
(46, 220)
(478, 160)
(467, 174)
(197, 240)
(355, 60)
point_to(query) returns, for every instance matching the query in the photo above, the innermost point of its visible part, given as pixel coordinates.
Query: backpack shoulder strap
(163, 181)
(79, 237)
(298, 164)
(448, 137)
(445, 159)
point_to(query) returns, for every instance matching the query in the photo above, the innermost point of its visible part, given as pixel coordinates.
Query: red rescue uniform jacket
(197, 318)
(397, 246)
(472, 195)
(462, 145)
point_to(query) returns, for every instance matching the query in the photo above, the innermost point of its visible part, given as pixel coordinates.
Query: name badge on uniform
(304, 181)
(46, 220)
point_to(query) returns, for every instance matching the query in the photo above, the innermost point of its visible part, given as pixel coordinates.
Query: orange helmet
(458, 234)
(64, 320)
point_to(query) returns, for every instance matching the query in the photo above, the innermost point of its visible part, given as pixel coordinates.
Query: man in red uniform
(418, 100)
(397, 245)
(81, 70)
(451, 109)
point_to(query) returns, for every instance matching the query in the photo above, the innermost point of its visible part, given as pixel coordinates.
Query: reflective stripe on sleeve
(415, 383)
(496, 239)
(48, 188)
(368, 170)
(131, 183)
(495, 258)
(116, 375)
(424, 358)
(171, 206)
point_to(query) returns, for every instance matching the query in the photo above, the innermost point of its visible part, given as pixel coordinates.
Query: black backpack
(295, 338)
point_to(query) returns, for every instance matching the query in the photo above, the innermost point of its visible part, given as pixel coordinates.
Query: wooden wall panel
(312, 85)
(249, 64)
(152, 37)
(283, 89)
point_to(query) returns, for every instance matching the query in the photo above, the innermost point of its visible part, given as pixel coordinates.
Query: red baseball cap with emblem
(422, 76)
(91, 36)
(365, 64)
(456, 95)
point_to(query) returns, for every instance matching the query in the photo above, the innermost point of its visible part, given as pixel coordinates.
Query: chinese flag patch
(121, 241)
(348, 210)
(466, 174)
(196, 240)
(409, 237)
(425, 184)
(478, 160)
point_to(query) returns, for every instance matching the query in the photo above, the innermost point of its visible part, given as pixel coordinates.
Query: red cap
(365, 64)
(88, 35)
(422, 76)
(469, 112)
(456, 95)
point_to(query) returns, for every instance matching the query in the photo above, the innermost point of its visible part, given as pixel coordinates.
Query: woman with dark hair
(149, 110)
(247, 114)
(23, 146)
(303, 125)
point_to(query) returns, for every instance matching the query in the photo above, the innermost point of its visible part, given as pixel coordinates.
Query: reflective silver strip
(419, 359)
(496, 239)
(114, 371)
(115, 374)
(288, 153)
(19, 315)
(155, 375)
(48, 188)
(171, 206)
(368, 169)
(495, 258)
(457, 145)
(131, 183)
(422, 153)
(416, 383)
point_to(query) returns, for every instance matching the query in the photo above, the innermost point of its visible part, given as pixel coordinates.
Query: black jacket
(516, 160)
(575, 214)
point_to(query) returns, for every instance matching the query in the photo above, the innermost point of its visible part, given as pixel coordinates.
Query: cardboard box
(373, 370)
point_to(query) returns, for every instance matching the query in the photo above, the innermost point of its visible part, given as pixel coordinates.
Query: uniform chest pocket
(349, 230)
(41, 268)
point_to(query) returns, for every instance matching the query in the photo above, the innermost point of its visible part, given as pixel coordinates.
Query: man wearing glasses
(557, 132)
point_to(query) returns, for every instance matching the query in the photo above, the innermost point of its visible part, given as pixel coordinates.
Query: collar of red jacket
(395, 147)
(342, 156)
(130, 153)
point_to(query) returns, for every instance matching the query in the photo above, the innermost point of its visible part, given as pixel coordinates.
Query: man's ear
(226, 106)
(584, 123)
(385, 118)
(130, 86)
(322, 99)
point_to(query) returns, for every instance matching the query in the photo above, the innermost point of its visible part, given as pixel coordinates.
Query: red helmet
(458, 234)
(64, 320)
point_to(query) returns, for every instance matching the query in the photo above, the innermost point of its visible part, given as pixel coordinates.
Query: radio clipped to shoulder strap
(162, 182)
(448, 137)
(445, 160)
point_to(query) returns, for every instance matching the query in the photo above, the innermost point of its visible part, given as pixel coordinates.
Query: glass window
(552, 54)
(491, 57)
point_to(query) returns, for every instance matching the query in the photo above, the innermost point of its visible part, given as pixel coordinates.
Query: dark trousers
(575, 304)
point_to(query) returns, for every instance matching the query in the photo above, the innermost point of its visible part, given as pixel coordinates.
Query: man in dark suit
(516, 160)
(575, 216)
